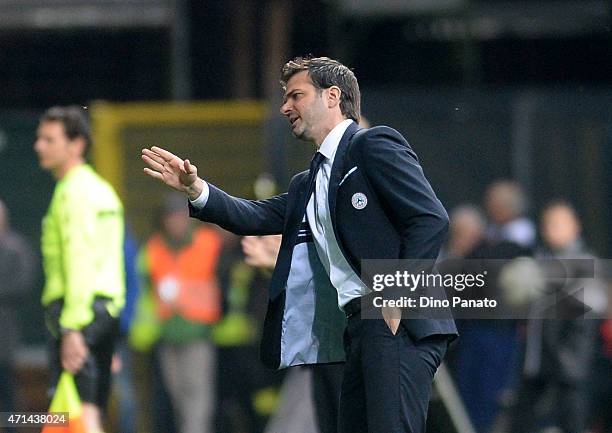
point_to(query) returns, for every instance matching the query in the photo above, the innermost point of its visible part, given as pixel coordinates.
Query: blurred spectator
(82, 245)
(16, 277)
(485, 358)
(466, 231)
(180, 262)
(506, 206)
(154, 408)
(558, 352)
(600, 382)
(248, 391)
(261, 251)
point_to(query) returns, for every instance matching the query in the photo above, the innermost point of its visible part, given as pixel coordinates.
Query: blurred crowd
(533, 374)
(196, 297)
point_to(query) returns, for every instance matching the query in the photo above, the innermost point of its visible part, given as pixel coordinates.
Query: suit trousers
(387, 378)
(327, 382)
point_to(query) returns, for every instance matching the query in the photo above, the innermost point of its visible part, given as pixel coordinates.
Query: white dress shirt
(341, 275)
(343, 278)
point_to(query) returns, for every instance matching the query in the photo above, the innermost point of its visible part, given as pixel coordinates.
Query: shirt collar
(74, 171)
(330, 144)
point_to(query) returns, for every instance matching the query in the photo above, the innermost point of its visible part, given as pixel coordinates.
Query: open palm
(170, 169)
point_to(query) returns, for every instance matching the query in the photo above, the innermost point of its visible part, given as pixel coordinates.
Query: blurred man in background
(489, 347)
(180, 264)
(485, 362)
(82, 245)
(559, 352)
(247, 391)
(473, 361)
(506, 206)
(16, 277)
(466, 232)
(600, 382)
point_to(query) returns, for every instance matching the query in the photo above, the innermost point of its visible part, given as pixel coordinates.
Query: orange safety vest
(184, 281)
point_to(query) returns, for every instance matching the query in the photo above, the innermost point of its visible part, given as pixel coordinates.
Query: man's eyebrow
(287, 95)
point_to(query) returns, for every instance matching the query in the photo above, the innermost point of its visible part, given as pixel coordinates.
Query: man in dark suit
(364, 197)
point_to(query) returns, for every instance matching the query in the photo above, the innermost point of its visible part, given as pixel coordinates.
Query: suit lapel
(297, 212)
(294, 219)
(338, 170)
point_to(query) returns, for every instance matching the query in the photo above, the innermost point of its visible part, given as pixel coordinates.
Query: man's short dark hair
(74, 120)
(560, 203)
(324, 73)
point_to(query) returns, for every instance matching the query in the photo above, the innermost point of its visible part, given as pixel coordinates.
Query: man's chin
(45, 165)
(300, 135)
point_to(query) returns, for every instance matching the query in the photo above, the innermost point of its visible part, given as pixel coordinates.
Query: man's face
(53, 147)
(177, 224)
(560, 228)
(304, 106)
(496, 204)
(465, 233)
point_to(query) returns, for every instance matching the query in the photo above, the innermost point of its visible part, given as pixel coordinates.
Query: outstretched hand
(261, 251)
(173, 171)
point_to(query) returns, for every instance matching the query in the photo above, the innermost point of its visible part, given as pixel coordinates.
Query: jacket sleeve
(394, 172)
(243, 217)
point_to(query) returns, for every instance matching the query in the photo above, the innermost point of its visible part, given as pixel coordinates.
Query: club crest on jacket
(359, 200)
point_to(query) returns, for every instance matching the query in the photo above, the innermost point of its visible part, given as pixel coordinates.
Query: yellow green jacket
(82, 246)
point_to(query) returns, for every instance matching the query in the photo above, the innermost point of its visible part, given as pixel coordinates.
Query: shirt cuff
(202, 199)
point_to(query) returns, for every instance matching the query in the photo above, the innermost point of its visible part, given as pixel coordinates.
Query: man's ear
(333, 98)
(79, 146)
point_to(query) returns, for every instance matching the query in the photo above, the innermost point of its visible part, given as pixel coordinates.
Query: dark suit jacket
(402, 219)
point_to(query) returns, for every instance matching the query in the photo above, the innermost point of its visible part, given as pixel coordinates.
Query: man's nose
(285, 109)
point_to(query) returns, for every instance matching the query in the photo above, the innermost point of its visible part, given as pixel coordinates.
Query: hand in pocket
(393, 317)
